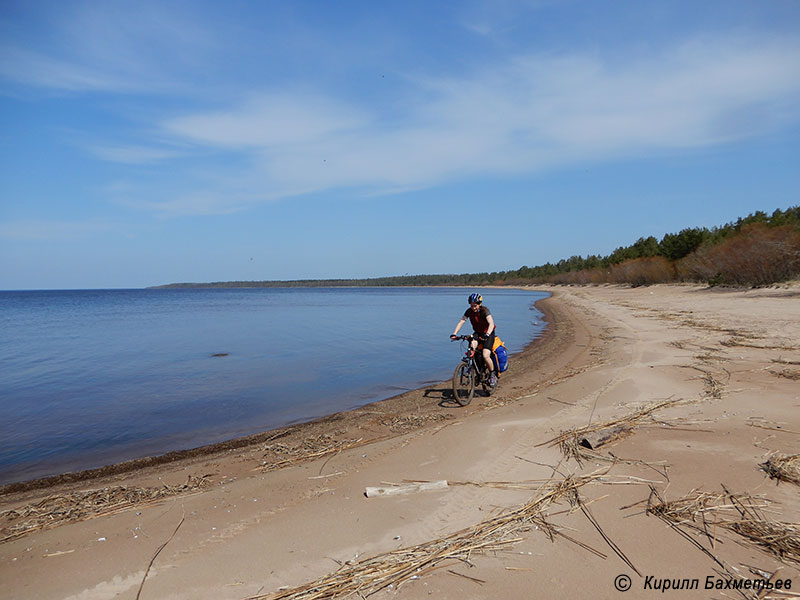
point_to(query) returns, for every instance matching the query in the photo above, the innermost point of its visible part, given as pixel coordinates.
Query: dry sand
(725, 366)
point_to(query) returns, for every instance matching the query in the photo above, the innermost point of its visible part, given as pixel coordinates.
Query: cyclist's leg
(487, 359)
(487, 352)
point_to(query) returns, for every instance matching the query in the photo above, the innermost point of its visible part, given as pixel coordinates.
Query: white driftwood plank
(409, 488)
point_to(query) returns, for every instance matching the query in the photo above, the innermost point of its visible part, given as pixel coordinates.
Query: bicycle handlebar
(457, 338)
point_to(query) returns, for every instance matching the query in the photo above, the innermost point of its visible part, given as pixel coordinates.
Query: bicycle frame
(470, 372)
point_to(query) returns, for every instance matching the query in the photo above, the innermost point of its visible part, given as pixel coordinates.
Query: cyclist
(483, 325)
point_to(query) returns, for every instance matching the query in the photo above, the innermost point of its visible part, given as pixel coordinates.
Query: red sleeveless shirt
(480, 324)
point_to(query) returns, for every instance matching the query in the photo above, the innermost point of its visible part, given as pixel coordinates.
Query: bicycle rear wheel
(463, 384)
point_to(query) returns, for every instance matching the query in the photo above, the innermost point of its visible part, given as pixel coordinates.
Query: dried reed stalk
(373, 574)
(737, 513)
(629, 421)
(279, 456)
(408, 423)
(782, 361)
(54, 511)
(737, 341)
(571, 444)
(713, 387)
(661, 468)
(761, 425)
(793, 374)
(783, 467)
(572, 448)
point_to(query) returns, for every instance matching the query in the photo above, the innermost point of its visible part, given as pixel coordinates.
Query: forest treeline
(757, 250)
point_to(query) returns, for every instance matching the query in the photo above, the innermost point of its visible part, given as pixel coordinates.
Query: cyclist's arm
(490, 320)
(460, 325)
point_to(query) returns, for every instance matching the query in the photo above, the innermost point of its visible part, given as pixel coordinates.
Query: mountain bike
(470, 373)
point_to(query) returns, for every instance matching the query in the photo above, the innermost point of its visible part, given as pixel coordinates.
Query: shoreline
(694, 390)
(114, 470)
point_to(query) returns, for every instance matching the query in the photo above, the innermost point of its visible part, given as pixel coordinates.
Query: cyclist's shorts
(489, 343)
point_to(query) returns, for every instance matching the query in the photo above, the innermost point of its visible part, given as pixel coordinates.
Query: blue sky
(144, 143)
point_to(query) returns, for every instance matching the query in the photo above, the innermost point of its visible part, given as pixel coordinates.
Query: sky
(145, 143)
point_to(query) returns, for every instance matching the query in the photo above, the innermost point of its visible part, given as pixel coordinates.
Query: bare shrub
(636, 271)
(643, 271)
(758, 255)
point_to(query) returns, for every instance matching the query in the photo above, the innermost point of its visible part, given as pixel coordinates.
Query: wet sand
(288, 507)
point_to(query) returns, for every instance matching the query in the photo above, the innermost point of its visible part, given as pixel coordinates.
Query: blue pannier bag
(500, 355)
(502, 358)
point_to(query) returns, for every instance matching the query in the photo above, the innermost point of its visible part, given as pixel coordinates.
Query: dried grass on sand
(278, 455)
(741, 514)
(371, 575)
(574, 443)
(80, 506)
(783, 467)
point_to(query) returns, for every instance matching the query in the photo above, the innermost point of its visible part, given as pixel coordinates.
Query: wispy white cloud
(530, 113)
(493, 17)
(219, 201)
(269, 120)
(91, 47)
(41, 70)
(579, 105)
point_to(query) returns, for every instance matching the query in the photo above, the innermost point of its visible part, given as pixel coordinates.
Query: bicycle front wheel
(463, 384)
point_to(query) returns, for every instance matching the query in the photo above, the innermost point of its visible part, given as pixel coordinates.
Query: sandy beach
(684, 393)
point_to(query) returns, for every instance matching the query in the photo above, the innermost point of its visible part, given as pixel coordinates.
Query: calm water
(93, 377)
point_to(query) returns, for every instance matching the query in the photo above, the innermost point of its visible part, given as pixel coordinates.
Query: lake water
(92, 377)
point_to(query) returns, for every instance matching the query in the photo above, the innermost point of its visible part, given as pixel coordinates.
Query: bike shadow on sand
(446, 397)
